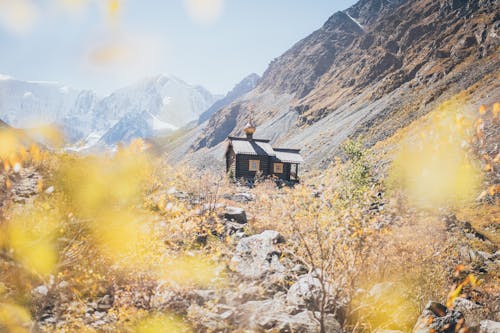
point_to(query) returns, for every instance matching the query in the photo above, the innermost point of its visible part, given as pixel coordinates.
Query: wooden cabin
(247, 157)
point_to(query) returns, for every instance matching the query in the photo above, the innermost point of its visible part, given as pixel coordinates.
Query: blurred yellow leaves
(189, 270)
(435, 167)
(14, 318)
(204, 11)
(457, 290)
(162, 324)
(31, 237)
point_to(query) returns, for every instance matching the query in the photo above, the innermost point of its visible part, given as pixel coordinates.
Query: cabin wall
(242, 166)
(286, 171)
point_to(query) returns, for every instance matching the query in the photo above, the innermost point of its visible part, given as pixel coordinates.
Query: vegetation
(116, 234)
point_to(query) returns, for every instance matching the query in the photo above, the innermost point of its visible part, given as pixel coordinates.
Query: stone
(258, 255)
(473, 312)
(241, 197)
(41, 290)
(235, 214)
(489, 326)
(436, 318)
(232, 228)
(305, 293)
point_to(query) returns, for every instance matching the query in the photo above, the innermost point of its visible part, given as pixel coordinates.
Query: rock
(305, 293)
(442, 53)
(105, 303)
(274, 316)
(41, 290)
(258, 255)
(473, 312)
(232, 228)
(436, 318)
(489, 326)
(209, 320)
(242, 197)
(203, 296)
(235, 214)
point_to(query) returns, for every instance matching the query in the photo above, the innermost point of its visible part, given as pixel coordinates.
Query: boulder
(436, 318)
(489, 326)
(258, 255)
(235, 214)
(273, 315)
(473, 312)
(305, 293)
(242, 197)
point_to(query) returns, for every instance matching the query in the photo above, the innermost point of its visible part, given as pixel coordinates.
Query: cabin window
(278, 167)
(254, 165)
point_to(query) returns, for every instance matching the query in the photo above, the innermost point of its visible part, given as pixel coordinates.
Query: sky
(107, 44)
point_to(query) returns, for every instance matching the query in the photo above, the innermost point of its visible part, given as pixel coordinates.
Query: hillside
(368, 71)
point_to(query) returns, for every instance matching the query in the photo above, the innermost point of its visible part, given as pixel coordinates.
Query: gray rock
(489, 326)
(235, 214)
(242, 197)
(473, 312)
(41, 290)
(437, 318)
(305, 293)
(258, 255)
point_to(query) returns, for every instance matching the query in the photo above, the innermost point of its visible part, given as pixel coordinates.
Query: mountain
(30, 103)
(243, 87)
(154, 105)
(368, 71)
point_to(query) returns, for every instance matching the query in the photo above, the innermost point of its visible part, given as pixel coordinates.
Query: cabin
(247, 157)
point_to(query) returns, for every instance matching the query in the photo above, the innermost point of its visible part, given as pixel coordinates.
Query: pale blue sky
(87, 46)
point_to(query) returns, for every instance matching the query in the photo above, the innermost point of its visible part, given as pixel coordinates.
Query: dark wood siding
(286, 171)
(242, 166)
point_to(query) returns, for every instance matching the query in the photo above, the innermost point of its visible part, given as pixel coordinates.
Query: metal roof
(263, 148)
(252, 147)
(288, 155)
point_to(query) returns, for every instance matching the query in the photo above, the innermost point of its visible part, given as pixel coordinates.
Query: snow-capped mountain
(156, 104)
(28, 103)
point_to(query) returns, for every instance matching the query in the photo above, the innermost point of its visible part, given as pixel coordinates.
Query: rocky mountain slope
(368, 71)
(243, 87)
(153, 105)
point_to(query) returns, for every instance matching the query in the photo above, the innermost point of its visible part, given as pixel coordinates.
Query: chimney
(249, 130)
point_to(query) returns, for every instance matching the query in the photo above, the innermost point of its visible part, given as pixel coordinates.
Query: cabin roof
(260, 147)
(253, 147)
(288, 155)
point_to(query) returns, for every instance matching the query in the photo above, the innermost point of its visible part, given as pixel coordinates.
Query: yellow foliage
(14, 318)
(31, 237)
(162, 324)
(189, 270)
(435, 168)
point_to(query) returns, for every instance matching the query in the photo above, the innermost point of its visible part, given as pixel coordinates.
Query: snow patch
(159, 125)
(27, 95)
(5, 77)
(355, 21)
(166, 100)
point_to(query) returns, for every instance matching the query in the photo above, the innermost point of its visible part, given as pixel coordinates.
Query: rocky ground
(269, 290)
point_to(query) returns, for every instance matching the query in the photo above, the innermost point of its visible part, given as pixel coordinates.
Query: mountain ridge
(163, 100)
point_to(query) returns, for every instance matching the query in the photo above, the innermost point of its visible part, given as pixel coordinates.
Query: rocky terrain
(368, 71)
